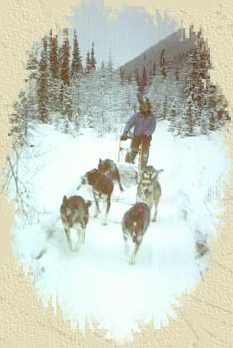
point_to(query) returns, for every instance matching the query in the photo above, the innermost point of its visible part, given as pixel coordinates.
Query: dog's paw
(132, 261)
(126, 251)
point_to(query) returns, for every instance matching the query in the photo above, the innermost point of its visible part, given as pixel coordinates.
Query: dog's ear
(88, 203)
(153, 175)
(100, 161)
(64, 199)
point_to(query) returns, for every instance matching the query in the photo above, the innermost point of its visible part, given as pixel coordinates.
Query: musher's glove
(148, 137)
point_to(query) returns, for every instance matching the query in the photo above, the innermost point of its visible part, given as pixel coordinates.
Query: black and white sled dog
(134, 225)
(149, 189)
(109, 168)
(74, 212)
(102, 188)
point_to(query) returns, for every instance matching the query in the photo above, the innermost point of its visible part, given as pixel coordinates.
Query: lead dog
(149, 189)
(102, 188)
(109, 168)
(134, 225)
(74, 213)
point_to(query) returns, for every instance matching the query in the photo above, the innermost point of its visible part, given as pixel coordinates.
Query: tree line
(53, 68)
(60, 87)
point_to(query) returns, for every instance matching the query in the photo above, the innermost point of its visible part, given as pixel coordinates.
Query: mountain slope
(176, 49)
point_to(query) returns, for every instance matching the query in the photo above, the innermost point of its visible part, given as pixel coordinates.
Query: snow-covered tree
(65, 59)
(67, 102)
(76, 66)
(54, 81)
(92, 58)
(88, 62)
(32, 84)
(163, 64)
(53, 56)
(43, 83)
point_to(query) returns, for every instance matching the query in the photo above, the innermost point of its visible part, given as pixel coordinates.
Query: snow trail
(97, 284)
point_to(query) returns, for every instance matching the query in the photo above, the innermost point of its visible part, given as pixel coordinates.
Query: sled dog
(74, 213)
(134, 225)
(109, 168)
(149, 189)
(102, 188)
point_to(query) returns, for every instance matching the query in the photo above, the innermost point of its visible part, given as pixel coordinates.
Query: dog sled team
(74, 210)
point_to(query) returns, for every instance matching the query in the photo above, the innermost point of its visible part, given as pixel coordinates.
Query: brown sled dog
(149, 189)
(109, 168)
(134, 225)
(102, 188)
(74, 213)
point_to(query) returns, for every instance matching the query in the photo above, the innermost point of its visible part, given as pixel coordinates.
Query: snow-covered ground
(97, 284)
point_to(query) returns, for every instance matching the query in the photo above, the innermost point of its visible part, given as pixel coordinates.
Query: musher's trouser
(137, 141)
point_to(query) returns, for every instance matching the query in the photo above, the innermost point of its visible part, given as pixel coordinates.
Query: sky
(123, 34)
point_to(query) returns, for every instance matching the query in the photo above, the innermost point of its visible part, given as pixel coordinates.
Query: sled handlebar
(128, 136)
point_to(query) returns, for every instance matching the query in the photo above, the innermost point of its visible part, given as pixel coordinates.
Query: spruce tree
(43, 83)
(92, 58)
(172, 117)
(32, 66)
(88, 62)
(204, 119)
(163, 64)
(110, 64)
(190, 119)
(53, 56)
(122, 74)
(76, 66)
(54, 81)
(67, 101)
(19, 119)
(32, 84)
(142, 81)
(65, 59)
(144, 78)
(154, 69)
(137, 77)
(165, 108)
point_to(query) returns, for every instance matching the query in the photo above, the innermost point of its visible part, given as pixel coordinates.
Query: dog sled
(130, 172)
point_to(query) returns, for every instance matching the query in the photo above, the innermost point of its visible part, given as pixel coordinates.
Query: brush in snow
(102, 188)
(109, 168)
(134, 225)
(201, 243)
(201, 249)
(149, 189)
(74, 213)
